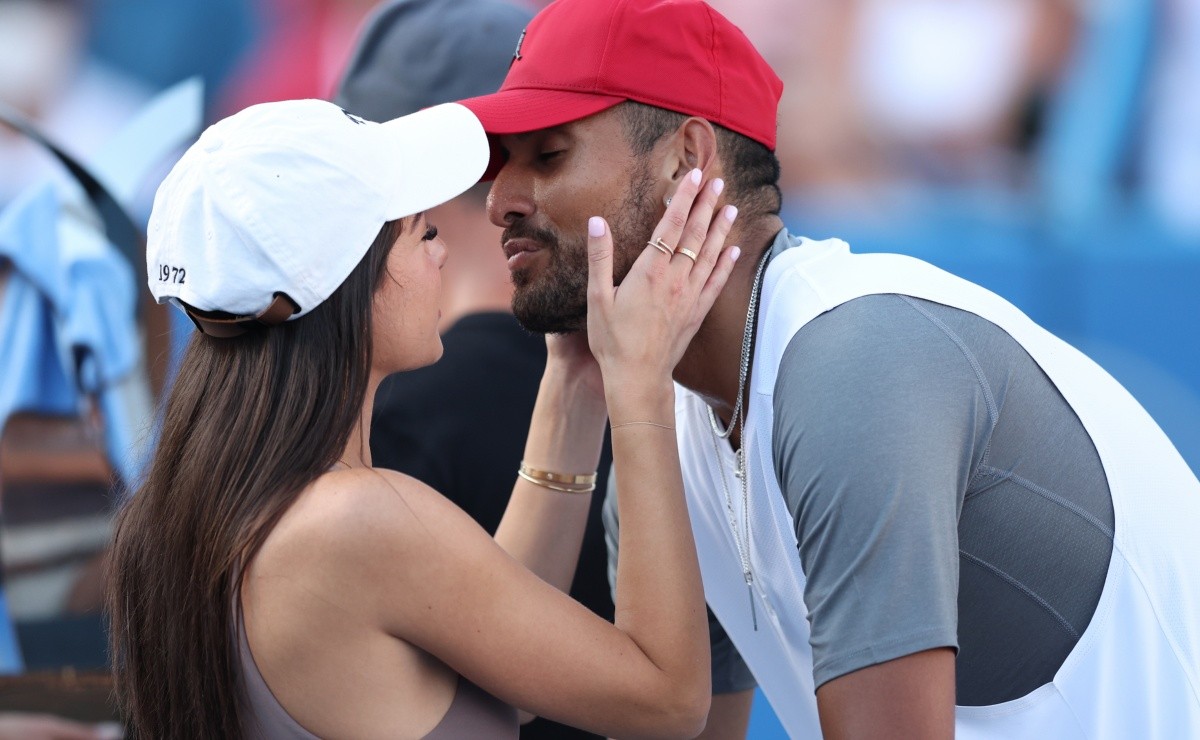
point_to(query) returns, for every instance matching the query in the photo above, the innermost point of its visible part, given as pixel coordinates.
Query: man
(905, 495)
(460, 425)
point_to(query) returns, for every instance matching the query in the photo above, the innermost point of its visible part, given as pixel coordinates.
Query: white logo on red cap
(517, 53)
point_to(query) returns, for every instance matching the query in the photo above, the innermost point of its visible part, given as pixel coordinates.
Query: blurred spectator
(880, 94)
(47, 75)
(300, 55)
(939, 91)
(949, 87)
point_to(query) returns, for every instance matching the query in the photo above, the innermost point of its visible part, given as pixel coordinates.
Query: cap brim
(441, 152)
(520, 110)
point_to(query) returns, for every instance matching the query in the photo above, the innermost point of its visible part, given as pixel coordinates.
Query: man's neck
(711, 364)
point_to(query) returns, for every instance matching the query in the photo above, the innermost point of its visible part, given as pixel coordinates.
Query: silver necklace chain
(738, 420)
(744, 366)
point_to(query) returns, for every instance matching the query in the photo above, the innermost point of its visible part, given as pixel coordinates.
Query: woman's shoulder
(349, 523)
(344, 494)
(361, 502)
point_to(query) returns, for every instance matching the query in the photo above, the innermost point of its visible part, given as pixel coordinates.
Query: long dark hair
(249, 423)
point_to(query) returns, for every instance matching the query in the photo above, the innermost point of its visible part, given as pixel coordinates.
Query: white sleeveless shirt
(1135, 672)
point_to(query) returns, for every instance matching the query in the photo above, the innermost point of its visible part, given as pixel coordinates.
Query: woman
(267, 581)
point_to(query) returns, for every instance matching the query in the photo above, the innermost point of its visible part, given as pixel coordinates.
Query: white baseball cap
(286, 198)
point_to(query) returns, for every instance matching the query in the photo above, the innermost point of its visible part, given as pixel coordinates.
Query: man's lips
(513, 247)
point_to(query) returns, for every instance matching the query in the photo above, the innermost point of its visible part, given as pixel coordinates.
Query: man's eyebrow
(526, 135)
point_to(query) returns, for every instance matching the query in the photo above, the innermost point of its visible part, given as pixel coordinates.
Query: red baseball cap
(579, 57)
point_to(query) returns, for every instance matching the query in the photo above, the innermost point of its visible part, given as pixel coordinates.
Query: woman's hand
(642, 327)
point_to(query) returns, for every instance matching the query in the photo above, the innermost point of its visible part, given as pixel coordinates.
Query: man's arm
(909, 697)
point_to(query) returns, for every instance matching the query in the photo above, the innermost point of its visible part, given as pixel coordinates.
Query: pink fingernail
(696, 175)
(718, 185)
(595, 226)
(730, 212)
(734, 253)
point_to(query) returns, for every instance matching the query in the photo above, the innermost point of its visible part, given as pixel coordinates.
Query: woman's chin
(425, 359)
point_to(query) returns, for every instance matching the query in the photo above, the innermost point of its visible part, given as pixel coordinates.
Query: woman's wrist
(567, 429)
(558, 481)
(639, 398)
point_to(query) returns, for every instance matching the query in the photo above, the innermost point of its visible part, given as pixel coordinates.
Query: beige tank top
(473, 714)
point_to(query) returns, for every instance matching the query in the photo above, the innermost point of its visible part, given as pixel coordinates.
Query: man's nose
(510, 198)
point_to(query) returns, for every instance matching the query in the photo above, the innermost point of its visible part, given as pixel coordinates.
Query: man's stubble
(555, 302)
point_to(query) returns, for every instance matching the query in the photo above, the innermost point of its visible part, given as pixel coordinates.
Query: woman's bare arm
(390, 556)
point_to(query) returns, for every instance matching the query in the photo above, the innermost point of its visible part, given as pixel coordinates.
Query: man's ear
(694, 144)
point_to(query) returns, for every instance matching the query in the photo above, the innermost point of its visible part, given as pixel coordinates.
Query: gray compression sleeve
(875, 417)
(905, 429)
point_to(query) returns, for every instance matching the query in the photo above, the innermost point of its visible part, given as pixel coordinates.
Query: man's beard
(554, 301)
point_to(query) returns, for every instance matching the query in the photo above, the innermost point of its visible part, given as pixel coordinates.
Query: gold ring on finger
(661, 246)
(687, 253)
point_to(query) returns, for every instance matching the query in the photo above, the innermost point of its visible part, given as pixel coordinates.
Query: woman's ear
(692, 145)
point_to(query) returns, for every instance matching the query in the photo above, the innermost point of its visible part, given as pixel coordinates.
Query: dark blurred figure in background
(459, 425)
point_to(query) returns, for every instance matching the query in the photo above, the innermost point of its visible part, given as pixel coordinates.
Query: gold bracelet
(568, 478)
(584, 488)
(645, 423)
